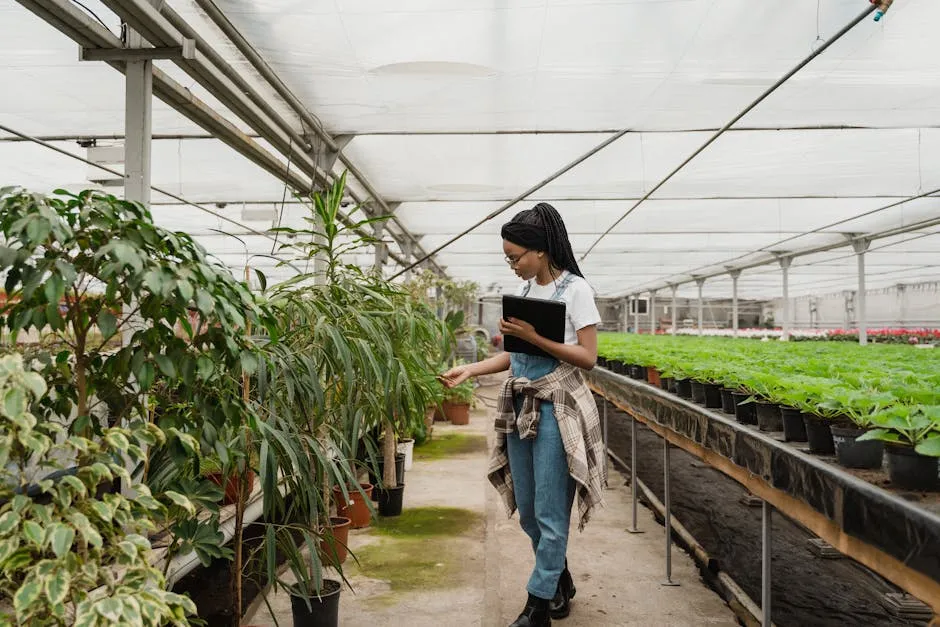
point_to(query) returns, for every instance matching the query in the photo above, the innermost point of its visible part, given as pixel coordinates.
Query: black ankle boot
(535, 614)
(559, 606)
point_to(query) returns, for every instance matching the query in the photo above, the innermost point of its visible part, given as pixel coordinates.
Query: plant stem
(389, 475)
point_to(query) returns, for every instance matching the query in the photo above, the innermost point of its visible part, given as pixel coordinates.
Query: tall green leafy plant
(144, 326)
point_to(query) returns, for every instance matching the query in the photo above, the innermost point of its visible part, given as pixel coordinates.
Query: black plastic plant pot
(794, 429)
(768, 417)
(322, 611)
(727, 400)
(698, 392)
(853, 454)
(745, 413)
(819, 435)
(641, 373)
(684, 388)
(390, 500)
(601, 361)
(665, 383)
(712, 396)
(399, 473)
(909, 470)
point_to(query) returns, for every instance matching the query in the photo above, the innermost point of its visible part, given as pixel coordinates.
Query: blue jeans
(542, 486)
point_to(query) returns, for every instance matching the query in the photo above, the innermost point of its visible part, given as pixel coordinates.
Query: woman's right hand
(456, 376)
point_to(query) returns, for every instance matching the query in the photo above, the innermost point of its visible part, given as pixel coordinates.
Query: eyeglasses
(514, 261)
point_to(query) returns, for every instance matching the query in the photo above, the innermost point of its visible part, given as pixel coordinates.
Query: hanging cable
(745, 111)
(121, 174)
(623, 132)
(518, 198)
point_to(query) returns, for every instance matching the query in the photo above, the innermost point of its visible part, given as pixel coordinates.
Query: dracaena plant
(72, 553)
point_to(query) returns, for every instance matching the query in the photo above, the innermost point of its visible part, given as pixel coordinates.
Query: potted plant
(855, 409)
(70, 552)
(912, 442)
(457, 401)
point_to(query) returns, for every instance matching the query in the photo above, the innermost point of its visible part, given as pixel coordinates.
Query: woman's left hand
(518, 328)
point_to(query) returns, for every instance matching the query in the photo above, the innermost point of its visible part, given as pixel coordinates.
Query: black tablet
(547, 316)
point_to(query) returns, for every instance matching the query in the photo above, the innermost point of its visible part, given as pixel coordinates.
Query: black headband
(526, 235)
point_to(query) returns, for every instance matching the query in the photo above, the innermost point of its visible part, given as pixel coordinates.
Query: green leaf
(146, 376)
(8, 522)
(14, 402)
(61, 537)
(34, 532)
(107, 323)
(27, 594)
(166, 365)
(57, 586)
(929, 447)
(249, 362)
(181, 501)
(110, 610)
(204, 302)
(206, 367)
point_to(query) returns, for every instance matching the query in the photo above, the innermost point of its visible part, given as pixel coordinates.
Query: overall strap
(563, 286)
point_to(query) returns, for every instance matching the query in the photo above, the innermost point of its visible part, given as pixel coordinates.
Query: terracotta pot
(357, 508)
(652, 375)
(231, 486)
(333, 550)
(457, 413)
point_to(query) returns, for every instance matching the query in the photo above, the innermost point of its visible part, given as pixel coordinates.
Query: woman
(548, 446)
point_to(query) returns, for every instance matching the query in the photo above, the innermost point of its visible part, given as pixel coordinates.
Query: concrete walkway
(469, 567)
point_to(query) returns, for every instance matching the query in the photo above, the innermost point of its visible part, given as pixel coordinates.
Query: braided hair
(542, 229)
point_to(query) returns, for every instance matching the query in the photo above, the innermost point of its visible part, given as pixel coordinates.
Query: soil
(807, 590)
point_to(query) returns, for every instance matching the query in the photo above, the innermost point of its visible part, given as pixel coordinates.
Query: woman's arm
(583, 354)
(456, 376)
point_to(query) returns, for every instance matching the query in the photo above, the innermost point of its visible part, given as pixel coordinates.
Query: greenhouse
(275, 345)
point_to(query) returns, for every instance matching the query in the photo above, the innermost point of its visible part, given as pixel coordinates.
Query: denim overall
(542, 486)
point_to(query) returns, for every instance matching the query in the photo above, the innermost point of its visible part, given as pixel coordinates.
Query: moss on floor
(421, 549)
(410, 564)
(422, 522)
(448, 444)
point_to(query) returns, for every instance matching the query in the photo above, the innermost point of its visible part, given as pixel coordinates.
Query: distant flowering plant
(882, 336)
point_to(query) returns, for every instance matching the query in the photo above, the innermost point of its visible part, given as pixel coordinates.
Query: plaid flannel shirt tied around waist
(578, 422)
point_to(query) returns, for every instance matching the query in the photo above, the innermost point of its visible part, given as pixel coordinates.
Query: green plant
(91, 268)
(917, 426)
(72, 553)
(864, 384)
(460, 394)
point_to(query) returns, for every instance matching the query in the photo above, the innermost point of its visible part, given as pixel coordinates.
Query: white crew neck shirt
(580, 308)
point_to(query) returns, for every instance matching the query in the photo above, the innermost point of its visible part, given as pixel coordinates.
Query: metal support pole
(634, 481)
(606, 456)
(381, 248)
(668, 521)
(902, 305)
(701, 307)
(734, 301)
(861, 314)
(675, 308)
(766, 538)
(785, 267)
(651, 309)
(636, 313)
(138, 133)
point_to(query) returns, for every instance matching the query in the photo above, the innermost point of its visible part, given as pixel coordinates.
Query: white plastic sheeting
(457, 107)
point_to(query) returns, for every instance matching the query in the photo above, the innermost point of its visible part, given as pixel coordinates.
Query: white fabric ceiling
(457, 107)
